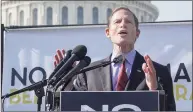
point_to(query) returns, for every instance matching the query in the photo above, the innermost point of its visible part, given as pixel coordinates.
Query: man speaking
(122, 29)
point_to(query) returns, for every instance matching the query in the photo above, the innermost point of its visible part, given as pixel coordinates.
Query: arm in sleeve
(80, 83)
(168, 87)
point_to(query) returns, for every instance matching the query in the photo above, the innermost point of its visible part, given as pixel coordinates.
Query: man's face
(122, 30)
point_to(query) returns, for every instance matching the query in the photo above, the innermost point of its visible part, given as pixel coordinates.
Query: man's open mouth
(122, 32)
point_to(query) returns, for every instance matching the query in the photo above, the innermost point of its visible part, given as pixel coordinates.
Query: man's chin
(123, 43)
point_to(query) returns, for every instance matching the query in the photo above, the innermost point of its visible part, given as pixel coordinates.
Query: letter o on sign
(36, 69)
(124, 106)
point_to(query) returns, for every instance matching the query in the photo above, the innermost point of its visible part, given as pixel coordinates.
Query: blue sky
(174, 10)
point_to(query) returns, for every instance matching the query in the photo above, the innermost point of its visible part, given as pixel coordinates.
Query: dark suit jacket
(100, 79)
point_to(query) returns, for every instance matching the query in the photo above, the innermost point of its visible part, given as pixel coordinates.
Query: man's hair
(124, 8)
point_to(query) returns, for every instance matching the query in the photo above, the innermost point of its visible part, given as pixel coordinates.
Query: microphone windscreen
(118, 59)
(68, 53)
(87, 60)
(80, 51)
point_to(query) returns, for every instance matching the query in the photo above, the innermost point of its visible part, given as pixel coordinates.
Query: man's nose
(123, 24)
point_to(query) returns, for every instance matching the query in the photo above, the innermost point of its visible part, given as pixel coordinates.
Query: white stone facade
(22, 12)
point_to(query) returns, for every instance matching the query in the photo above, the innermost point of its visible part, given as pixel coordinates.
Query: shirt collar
(130, 56)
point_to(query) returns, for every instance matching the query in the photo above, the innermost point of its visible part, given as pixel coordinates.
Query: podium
(110, 101)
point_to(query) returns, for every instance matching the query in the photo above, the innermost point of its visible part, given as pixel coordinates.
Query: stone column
(42, 14)
(88, 12)
(55, 13)
(72, 13)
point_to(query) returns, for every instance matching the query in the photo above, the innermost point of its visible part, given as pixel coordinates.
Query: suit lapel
(106, 76)
(137, 75)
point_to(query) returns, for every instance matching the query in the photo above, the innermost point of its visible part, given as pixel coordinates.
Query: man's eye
(118, 21)
(128, 21)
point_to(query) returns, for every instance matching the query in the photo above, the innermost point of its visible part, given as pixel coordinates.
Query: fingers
(63, 52)
(146, 69)
(60, 55)
(147, 72)
(55, 64)
(150, 73)
(149, 63)
(57, 59)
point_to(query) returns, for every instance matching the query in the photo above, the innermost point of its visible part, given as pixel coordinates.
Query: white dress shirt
(115, 68)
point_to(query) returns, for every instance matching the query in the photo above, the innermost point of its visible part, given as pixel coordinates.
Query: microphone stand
(52, 98)
(39, 93)
(56, 96)
(50, 91)
(49, 97)
(37, 85)
(52, 87)
(38, 89)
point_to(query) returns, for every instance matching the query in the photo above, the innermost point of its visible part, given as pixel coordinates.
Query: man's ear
(137, 33)
(107, 32)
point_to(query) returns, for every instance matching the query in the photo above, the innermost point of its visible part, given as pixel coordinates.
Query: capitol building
(27, 13)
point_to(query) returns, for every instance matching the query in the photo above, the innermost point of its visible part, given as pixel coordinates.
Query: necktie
(122, 78)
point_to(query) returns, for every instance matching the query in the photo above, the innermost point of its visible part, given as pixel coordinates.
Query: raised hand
(59, 56)
(150, 73)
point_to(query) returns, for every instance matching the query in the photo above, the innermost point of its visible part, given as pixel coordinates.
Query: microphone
(83, 63)
(78, 53)
(34, 86)
(118, 59)
(45, 81)
(68, 55)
